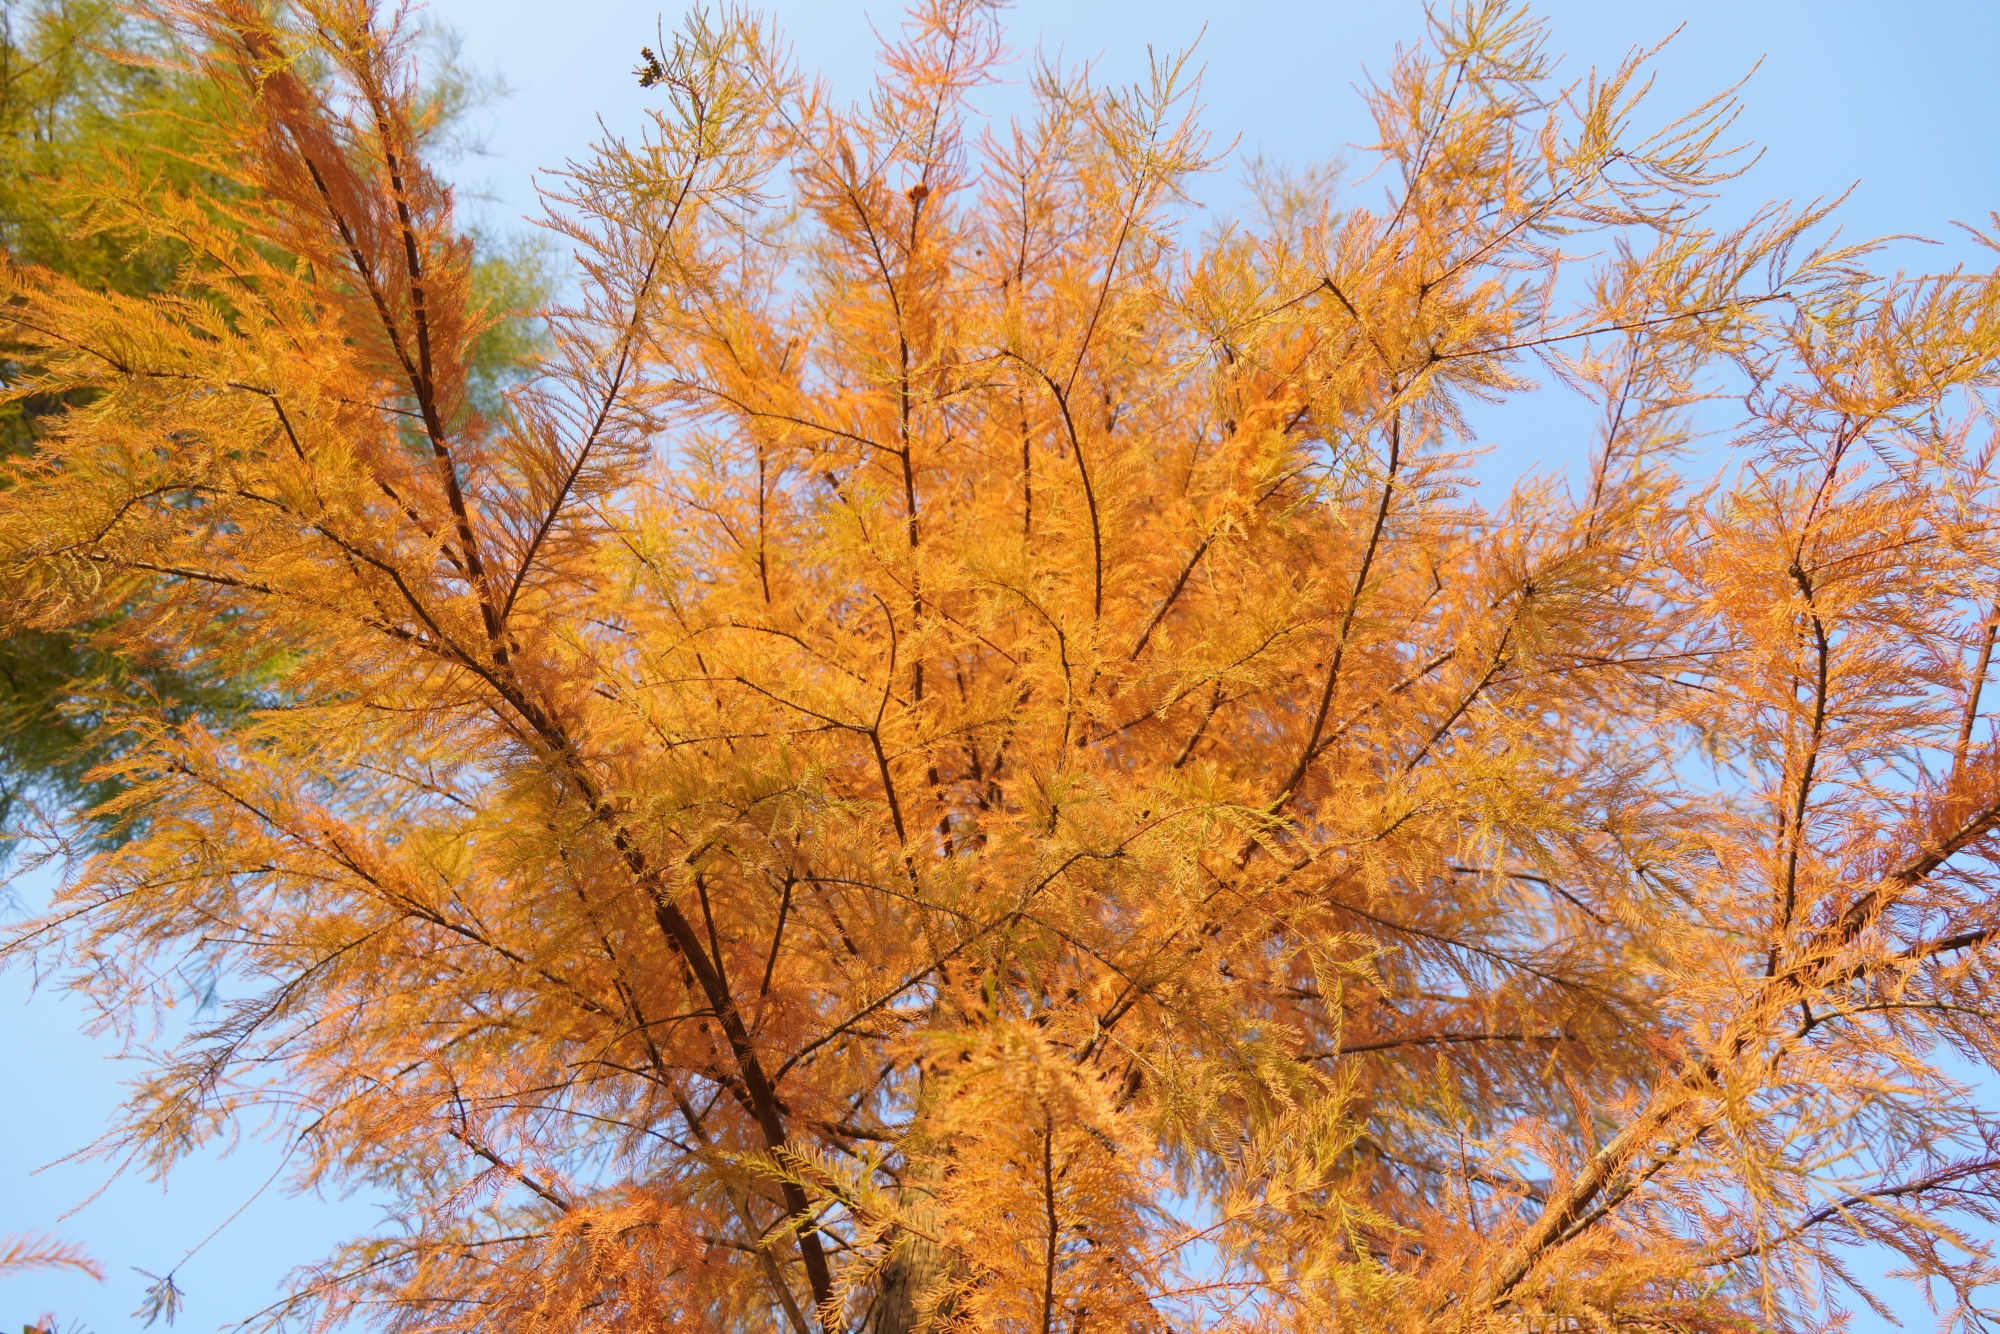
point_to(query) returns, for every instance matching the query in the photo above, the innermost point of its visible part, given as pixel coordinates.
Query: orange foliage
(960, 758)
(21, 1251)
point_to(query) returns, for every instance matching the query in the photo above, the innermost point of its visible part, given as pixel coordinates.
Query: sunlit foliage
(961, 757)
(89, 87)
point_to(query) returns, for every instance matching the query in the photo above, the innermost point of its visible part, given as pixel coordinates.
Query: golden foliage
(21, 1251)
(959, 759)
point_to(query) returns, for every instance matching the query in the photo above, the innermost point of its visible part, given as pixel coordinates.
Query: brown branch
(608, 400)
(1375, 531)
(1061, 397)
(1053, 1236)
(1792, 822)
(1940, 1179)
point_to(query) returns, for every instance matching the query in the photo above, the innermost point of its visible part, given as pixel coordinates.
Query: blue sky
(1893, 99)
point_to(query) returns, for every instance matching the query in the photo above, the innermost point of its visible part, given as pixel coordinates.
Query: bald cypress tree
(960, 758)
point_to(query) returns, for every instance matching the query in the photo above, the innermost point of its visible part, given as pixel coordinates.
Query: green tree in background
(86, 85)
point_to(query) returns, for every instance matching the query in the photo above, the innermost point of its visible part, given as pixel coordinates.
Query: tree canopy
(84, 83)
(960, 757)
